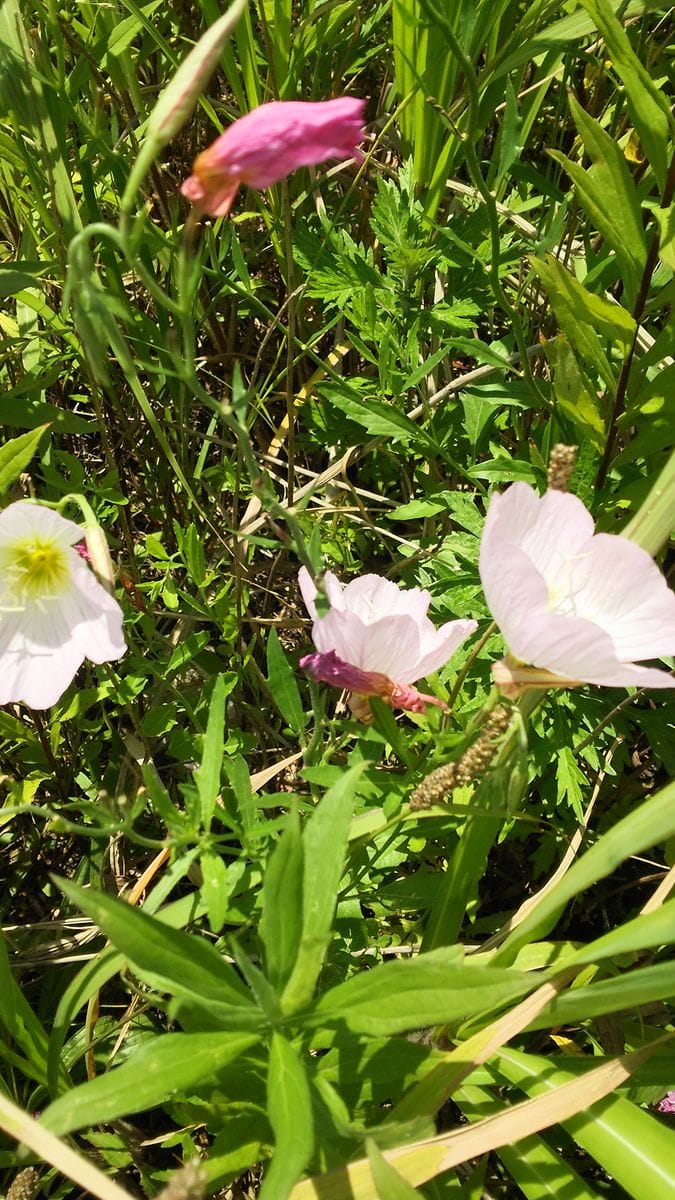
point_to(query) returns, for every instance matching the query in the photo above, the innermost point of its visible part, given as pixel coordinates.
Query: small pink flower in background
(270, 142)
(580, 605)
(377, 640)
(667, 1105)
(53, 611)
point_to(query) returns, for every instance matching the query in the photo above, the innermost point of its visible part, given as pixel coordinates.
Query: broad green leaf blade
(324, 844)
(16, 454)
(653, 822)
(607, 193)
(580, 313)
(284, 685)
(649, 929)
(647, 105)
(214, 888)
(281, 923)
(433, 989)
(538, 1170)
(629, 990)
(630, 1144)
(652, 526)
(289, 1107)
(170, 1063)
(95, 974)
(388, 1183)
(179, 963)
(207, 776)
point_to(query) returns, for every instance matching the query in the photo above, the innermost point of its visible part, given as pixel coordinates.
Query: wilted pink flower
(53, 611)
(578, 604)
(376, 639)
(268, 143)
(667, 1105)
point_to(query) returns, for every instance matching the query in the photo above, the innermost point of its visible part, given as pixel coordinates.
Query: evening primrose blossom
(269, 143)
(53, 611)
(578, 606)
(377, 640)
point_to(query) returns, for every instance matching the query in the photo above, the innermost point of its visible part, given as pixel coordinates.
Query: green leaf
(433, 989)
(577, 304)
(574, 397)
(666, 220)
(289, 1107)
(377, 418)
(570, 780)
(281, 922)
(647, 105)
(16, 454)
(388, 1183)
(193, 553)
(607, 192)
(324, 845)
(630, 1144)
(651, 823)
(630, 990)
(214, 888)
(180, 963)
(207, 775)
(170, 1063)
(283, 684)
(509, 134)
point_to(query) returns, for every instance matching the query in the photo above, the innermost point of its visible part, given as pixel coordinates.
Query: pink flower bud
(270, 142)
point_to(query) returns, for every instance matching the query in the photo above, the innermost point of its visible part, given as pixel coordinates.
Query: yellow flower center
(35, 568)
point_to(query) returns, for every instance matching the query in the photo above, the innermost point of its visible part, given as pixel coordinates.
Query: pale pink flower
(53, 611)
(577, 604)
(667, 1105)
(268, 143)
(377, 640)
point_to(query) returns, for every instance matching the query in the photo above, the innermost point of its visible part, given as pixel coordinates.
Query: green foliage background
(314, 990)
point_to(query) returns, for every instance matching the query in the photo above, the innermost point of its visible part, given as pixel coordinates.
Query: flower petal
(372, 596)
(23, 518)
(39, 658)
(329, 668)
(618, 585)
(93, 616)
(435, 651)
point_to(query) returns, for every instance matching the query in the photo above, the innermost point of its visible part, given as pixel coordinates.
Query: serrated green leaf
(377, 418)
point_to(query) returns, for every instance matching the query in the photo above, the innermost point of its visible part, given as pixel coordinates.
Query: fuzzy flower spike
(53, 611)
(270, 142)
(377, 640)
(578, 605)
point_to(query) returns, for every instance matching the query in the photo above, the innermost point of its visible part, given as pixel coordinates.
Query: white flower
(580, 605)
(376, 638)
(53, 611)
